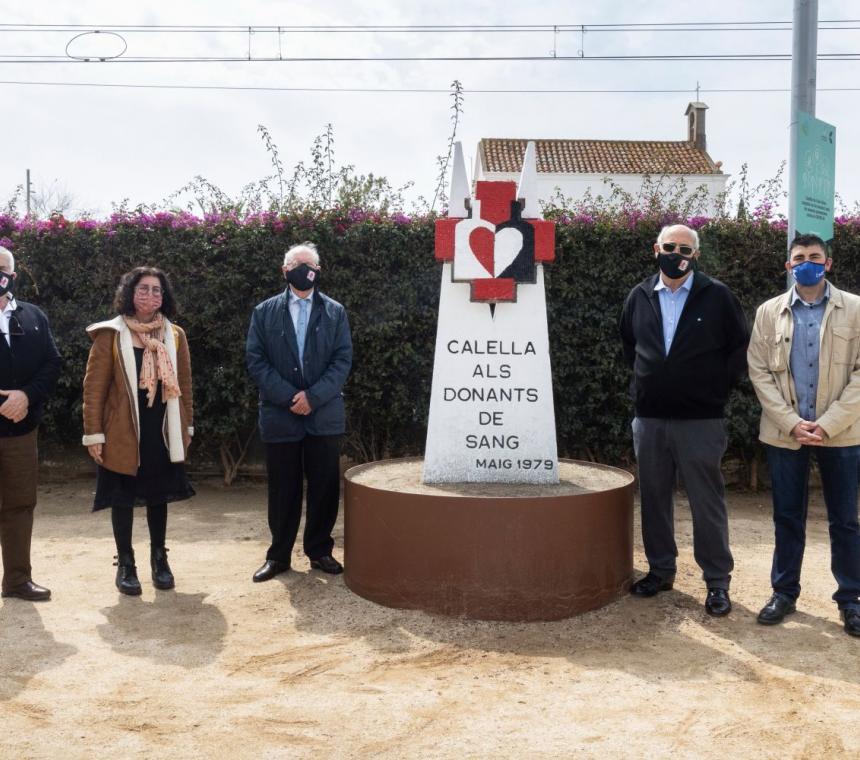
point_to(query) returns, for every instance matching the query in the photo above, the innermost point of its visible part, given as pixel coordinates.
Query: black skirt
(158, 480)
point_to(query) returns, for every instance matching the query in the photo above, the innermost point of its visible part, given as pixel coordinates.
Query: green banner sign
(815, 178)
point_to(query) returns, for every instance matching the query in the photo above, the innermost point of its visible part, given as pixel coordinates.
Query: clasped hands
(300, 404)
(16, 405)
(808, 433)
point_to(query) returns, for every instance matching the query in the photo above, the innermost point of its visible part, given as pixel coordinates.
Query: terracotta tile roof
(598, 156)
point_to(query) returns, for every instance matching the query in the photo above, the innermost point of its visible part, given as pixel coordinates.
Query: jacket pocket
(845, 340)
(328, 419)
(777, 360)
(277, 423)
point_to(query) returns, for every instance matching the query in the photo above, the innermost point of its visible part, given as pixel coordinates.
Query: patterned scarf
(156, 362)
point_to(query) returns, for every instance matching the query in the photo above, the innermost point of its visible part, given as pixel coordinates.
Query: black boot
(162, 577)
(126, 574)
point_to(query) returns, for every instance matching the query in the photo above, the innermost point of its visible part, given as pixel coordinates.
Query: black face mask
(7, 283)
(674, 265)
(303, 277)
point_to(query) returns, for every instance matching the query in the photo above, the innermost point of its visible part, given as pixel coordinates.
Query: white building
(572, 167)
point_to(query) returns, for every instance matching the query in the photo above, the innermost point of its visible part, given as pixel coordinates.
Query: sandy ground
(300, 667)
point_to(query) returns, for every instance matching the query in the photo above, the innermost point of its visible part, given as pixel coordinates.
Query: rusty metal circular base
(527, 557)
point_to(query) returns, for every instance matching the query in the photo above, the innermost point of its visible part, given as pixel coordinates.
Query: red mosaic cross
(495, 207)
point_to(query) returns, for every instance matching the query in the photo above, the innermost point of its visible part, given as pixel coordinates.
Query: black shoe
(651, 585)
(30, 591)
(777, 607)
(162, 577)
(269, 569)
(126, 575)
(851, 618)
(717, 603)
(327, 564)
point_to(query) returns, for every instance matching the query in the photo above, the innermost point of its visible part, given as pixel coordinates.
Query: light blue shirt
(671, 306)
(293, 304)
(805, 348)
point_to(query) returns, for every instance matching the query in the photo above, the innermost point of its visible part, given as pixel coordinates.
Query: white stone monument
(491, 408)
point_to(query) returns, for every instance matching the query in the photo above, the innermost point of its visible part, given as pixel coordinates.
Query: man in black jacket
(29, 368)
(685, 336)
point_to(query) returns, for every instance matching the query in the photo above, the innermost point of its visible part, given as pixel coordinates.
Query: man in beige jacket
(804, 362)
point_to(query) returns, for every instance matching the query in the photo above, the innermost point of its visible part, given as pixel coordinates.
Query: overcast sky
(107, 144)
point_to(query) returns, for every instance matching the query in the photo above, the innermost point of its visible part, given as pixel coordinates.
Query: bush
(381, 267)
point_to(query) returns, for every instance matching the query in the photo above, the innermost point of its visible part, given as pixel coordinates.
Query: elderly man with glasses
(29, 368)
(685, 337)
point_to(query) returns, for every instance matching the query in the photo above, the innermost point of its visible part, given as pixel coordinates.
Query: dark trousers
(789, 473)
(19, 470)
(317, 458)
(694, 450)
(122, 519)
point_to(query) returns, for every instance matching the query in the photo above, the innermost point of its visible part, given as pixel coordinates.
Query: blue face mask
(808, 273)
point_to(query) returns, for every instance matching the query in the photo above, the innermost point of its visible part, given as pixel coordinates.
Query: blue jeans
(789, 473)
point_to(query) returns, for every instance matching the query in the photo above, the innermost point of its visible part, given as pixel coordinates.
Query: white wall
(574, 186)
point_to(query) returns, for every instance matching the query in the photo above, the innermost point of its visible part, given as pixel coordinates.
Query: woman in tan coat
(138, 417)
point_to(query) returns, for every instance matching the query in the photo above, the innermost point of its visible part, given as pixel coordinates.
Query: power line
(116, 32)
(416, 90)
(718, 57)
(717, 26)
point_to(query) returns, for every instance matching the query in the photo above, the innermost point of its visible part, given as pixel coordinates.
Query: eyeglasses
(684, 250)
(145, 290)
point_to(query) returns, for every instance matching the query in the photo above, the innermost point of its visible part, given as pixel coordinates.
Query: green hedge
(382, 269)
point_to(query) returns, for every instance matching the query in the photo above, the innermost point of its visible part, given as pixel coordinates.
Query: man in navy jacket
(29, 368)
(299, 353)
(685, 337)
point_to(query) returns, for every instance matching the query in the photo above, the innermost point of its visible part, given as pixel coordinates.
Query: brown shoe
(30, 591)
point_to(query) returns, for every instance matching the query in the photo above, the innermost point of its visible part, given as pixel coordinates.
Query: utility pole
(29, 192)
(804, 51)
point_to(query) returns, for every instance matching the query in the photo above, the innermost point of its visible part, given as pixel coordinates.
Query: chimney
(696, 124)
